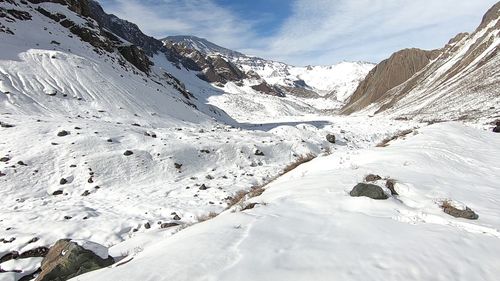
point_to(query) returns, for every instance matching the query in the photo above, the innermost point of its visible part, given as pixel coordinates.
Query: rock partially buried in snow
(62, 133)
(453, 211)
(368, 190)
(372, 177)
(128, 153)
(67, 259)
(330, 138)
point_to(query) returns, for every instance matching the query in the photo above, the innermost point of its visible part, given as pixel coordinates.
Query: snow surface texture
(184, 164)
(308, 227)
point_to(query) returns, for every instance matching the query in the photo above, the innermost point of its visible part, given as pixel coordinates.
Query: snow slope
(337, 81)
(47, 70)
(308, 227)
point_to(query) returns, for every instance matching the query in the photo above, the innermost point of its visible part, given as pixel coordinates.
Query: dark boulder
(62, 133)
(127, 153)
(259, 153)
(57, 192)
(330, 138)
(368, 190)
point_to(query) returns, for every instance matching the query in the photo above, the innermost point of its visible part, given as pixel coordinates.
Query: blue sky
(304, 32)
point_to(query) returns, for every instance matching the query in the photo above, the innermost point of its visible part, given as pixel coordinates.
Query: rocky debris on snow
(259, 153)
(453, 211)
(497, 128)
(267, 89)
(178, 166)
(67, 259)
(168, 224)
(5, 125)
(147, 225)
(57, 192)
(204, 187)
(250, 206)
(372, 177)
(62, 133)
(2, 174)
(330, 138)
(127, 153)
(176, 217)
(368, 190)
(5, 159)
(86, 193)
(63, 181)
(21, 163)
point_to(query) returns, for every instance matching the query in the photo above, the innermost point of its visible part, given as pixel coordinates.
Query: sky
(308, 32)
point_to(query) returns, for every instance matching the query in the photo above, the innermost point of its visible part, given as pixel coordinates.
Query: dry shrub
(299, 161)
(400, 134)
(206, 217)
(236, 198)
(446, 204)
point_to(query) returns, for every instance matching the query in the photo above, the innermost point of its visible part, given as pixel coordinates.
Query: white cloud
(202, 18)
(317, 31)
(325, 31)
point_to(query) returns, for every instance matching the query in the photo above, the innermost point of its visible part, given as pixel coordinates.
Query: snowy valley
(184, 160)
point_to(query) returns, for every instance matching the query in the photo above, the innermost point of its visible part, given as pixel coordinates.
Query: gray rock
(168, 224)
(390, 183)
(372, 177)
(330, 138)
(368, 190)
(66, 259)
(457, 213)
(128, 153)
(496, 129)
(62, 133)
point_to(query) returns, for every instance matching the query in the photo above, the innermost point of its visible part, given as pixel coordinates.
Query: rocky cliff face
(212, 68)
(386, 75)
(459, 81)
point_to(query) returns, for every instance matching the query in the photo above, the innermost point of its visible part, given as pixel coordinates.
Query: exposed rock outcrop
(67, 259)
(386, 75)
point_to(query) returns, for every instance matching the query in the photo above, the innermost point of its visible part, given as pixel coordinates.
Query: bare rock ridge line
(458, 80)
(386, 75)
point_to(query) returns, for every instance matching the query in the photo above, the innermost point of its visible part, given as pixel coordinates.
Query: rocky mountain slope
(337, 82)
(459, 81)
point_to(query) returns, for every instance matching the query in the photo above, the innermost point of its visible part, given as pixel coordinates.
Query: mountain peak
(201, 44)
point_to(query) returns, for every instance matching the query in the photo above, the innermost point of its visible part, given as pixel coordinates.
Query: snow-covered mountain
(108, 135)
(337, 81)
(459, 81)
